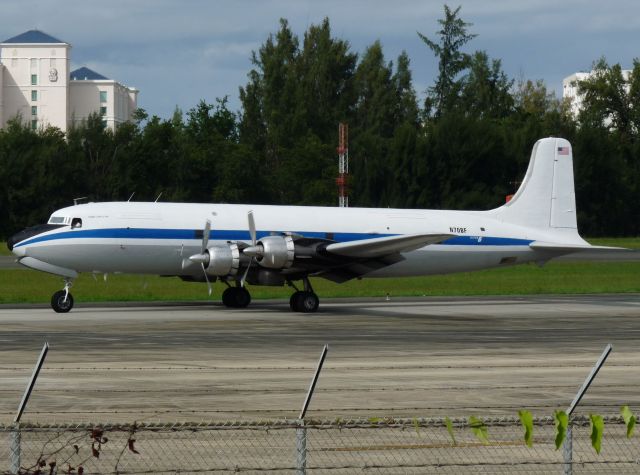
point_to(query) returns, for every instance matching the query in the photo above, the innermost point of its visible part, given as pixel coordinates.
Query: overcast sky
(178, 52)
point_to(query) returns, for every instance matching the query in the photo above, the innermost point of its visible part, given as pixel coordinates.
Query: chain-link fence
(378, 446)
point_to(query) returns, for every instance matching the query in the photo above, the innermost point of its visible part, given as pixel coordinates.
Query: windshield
(59, 220)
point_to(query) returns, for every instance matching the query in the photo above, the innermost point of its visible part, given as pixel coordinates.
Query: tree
(374, 124)
(451, 60)
(605, 98)
(486, 89)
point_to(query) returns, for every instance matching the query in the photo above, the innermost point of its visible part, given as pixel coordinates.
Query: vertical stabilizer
(546, 197)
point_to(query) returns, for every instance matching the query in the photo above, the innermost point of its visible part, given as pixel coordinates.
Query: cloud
(181, 52)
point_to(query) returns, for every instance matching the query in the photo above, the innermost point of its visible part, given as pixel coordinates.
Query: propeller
(254, 249)
(203, 257)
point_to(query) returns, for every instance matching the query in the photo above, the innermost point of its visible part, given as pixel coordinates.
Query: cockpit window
(57, 220)
(76, 223)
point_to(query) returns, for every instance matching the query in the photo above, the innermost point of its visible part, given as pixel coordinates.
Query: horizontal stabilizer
(551, 246)
(378, 247)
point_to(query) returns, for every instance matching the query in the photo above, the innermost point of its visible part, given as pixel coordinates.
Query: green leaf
(449, 424)
(374, 420)
(629, 420)
(479, 429)
(597, 427)
(562, 422)
(416, 424)
(526, 419)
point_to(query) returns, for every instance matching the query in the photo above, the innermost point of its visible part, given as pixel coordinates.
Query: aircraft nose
(29, 233)
(12, 241)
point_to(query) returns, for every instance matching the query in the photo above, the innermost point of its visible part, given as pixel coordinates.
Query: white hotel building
(36, 84)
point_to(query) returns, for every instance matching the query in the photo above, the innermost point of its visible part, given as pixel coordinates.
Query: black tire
(59, 304)
(228, 297)
(293, 301)
(242, 297)
(236, 297)
(306, 302)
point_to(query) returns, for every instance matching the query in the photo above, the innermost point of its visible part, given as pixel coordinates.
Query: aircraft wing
(384, 246)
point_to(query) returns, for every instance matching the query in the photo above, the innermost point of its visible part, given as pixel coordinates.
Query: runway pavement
(406, 357)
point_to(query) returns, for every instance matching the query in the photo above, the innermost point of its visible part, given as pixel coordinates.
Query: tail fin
(546, 197)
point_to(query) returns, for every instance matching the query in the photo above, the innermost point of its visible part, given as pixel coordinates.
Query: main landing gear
(305, 301)
(62, 300)
(236, 297)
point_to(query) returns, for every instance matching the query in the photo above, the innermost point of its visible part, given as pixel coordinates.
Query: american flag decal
(563, 150)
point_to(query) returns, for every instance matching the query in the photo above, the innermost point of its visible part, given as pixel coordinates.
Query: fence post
(567, 446)
(567, 452)
(301, 448)
(301, 428)
(14, 450)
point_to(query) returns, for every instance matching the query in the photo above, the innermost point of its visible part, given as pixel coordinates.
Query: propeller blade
(246, 272)
(206, 277)
(252, 228)
(205, 236)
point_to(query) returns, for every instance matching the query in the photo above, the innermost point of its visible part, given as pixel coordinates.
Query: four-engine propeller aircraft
(276, 245)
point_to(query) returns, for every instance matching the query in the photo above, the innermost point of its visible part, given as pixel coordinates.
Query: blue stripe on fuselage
(243, 235)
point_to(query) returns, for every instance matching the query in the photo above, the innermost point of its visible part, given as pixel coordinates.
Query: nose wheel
(62, 300)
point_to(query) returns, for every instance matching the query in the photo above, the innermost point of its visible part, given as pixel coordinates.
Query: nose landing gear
(62, 300)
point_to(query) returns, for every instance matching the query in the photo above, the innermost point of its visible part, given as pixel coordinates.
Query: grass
(629, 243)
(555, 278)
(4, 250)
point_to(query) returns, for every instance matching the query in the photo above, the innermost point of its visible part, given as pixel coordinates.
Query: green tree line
(465, 146)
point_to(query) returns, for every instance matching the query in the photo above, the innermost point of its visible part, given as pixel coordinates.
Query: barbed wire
(340, 423)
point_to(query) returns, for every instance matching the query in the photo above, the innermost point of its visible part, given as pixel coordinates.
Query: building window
(34, 124)
(34, 110)
(103, 111)
(103, 96)
(34, 95)
(34, 79)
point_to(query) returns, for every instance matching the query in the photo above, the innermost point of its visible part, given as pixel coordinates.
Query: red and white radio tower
(343, 165)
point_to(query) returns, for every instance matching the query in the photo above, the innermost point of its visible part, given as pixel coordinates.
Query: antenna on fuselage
(131, 196)
(77, 200)
(158, 197)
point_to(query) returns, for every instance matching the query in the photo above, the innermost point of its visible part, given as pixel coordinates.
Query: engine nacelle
(223, 260)
(277, 252)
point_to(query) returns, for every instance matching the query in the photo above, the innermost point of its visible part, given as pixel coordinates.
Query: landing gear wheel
(236, 297)
(227, 296)
(59, 303)
(243, 297)
(293, 300)
(304, 301)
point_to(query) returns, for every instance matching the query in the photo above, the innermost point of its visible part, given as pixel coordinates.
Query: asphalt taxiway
(404, 357)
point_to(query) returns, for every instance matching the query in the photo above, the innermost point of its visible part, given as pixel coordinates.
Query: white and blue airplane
(278, 245)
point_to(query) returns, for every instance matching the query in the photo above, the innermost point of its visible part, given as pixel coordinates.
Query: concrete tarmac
(405, 357)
